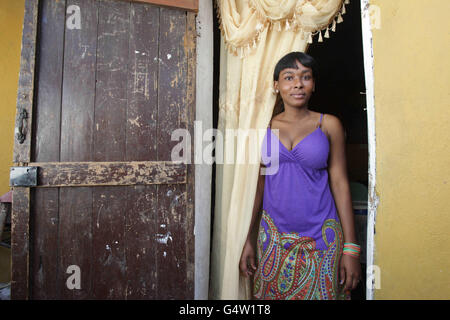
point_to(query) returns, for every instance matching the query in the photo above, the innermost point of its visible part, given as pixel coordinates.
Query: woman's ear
(275, 87)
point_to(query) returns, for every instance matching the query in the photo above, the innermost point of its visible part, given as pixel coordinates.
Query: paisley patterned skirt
(290, 266)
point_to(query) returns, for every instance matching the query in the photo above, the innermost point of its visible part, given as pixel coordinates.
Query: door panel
(109, 200)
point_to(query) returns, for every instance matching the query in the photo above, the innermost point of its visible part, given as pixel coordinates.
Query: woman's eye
(288, 78)
(307, 77)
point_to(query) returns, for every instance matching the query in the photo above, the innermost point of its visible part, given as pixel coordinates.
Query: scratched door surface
(112, 80)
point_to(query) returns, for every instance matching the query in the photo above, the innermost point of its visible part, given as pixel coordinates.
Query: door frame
(203, 171)
(373, 200)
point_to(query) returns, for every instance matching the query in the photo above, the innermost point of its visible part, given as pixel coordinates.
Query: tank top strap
(320, 121)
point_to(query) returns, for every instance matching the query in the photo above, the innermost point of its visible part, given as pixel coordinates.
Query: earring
(275, 91)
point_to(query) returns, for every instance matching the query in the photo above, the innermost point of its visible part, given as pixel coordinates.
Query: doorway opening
(340, 91)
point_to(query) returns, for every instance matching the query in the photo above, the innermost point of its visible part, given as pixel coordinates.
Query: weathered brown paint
(20, 214)
(20, 244)
(95, 142)
(188, 122)
(77, 138)
(26, 79)
(72, 174)
(191, 5)
(45, 146)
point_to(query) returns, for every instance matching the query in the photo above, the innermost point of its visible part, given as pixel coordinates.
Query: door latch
(23, 177)
(22, 126)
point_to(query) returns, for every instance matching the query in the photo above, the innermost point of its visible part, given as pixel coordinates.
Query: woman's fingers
(247, 265)
(252, 262)
(352, 281)
(243, 266)
(355, 282)
(251, 265)
(341, 275)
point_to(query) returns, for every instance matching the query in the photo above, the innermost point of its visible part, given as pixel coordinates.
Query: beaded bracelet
(351, 249)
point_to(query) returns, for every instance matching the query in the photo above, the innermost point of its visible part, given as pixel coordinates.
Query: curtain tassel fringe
(339, 18)
(310, 40)
(320, 36)
(333, 28)
(327, 33)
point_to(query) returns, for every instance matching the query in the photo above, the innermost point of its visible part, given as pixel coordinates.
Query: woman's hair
(290, 61)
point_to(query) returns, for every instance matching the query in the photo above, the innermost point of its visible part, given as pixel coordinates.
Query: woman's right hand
(247, 265)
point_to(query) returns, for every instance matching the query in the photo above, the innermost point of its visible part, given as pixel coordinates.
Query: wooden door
(103, 84)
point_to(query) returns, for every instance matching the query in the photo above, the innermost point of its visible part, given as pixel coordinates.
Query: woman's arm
(248, 257)
(350, 268)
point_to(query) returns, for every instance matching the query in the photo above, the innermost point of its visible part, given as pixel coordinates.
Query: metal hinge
(23, 177)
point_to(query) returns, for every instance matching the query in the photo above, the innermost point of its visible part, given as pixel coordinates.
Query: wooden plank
(111, 89)
(191, 5)
(44, 228)
(49, 70)
(171, 223)
(25, 90)
(45, 147)
(140, 251)
(188, 122)
(142, 113)
(20, 239)
(77, 127)
(75, 241)
(108, 254)
(109, 203)
(141, 145)
(21, 196)
(65, 174)
(78, 85)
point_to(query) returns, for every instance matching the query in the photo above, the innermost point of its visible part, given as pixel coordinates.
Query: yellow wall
(412, 109)
(11, 19)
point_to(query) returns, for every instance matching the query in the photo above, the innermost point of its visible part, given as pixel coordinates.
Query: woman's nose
(298, 83)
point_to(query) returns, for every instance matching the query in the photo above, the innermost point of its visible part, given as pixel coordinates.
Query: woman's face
(295, 85)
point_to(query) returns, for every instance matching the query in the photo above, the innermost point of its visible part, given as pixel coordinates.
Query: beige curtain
(255, 35)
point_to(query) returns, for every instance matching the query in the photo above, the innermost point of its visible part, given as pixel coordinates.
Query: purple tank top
(298, 197)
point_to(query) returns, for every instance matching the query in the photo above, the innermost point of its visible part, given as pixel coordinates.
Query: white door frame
(370, 100)
(203, 172)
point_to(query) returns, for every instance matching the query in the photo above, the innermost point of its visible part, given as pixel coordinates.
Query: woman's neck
(296, 113)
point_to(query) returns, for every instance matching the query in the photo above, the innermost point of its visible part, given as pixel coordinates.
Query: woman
(306, 243)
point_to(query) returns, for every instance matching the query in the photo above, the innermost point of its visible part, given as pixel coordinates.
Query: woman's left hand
(349, 272)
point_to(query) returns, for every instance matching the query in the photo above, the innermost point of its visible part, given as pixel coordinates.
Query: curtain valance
(242, 22)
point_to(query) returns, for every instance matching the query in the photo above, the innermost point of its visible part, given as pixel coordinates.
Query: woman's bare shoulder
(330, 120)
(332, 125)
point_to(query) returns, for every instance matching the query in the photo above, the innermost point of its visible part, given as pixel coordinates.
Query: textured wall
(411, 59)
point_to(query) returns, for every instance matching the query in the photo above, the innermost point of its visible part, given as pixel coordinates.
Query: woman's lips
(298, 95)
